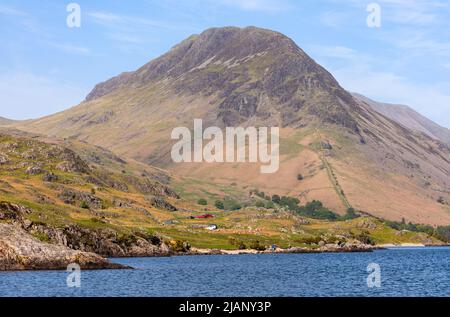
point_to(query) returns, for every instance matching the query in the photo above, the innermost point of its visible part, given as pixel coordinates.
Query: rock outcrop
(21, 251)
(26, 245)
(105, 242)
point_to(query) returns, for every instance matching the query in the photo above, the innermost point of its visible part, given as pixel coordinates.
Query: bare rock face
(21, 251)
(12, 212)
(34, 170)
(88, 243)
(72, 197)
(104, 242)
(161, 203)
(3, 159)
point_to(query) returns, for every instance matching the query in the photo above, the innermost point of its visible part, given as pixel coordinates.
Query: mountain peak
(225, 43)
(252, 72)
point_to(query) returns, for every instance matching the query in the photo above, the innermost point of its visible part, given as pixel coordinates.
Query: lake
(403, 271)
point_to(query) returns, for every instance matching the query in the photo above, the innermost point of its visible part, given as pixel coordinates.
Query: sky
(47, 66)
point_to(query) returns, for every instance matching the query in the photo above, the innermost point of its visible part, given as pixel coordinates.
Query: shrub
(179, 246)
(364, 237)
(231, 204)
(300, 177)
(260, 204)
(84, 205)
(309, 239)
(443, 233)
(270, 205)
(41, 236)
(256, 245)
(202, 202)
(237, 243)
(219, 205)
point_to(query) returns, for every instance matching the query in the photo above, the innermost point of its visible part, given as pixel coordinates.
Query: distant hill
(347, 153)
(409, 118)
(4, 121)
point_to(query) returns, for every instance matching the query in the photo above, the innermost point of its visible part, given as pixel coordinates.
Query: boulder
(34, 170)
(3, 159)
(50, 177)
(160, 203)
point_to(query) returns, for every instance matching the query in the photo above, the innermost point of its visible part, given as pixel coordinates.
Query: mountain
(409, 118)
(4, 121)
(334, 147)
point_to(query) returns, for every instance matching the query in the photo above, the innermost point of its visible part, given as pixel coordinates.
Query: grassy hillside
(94, 189)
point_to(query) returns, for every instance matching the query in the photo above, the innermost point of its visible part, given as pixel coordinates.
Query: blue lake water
(404, 272)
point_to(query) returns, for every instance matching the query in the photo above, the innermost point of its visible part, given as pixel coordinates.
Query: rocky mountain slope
(347, 154)
(409, 118)
(90, 200)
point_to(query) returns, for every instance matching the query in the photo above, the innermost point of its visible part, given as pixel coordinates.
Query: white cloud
(126, 38)
(242, 5)
(24, 95)
(424, 46)
(131, 32)
(413, 12)
(10, 11)
(72, 49)
(334, 19)
(130, 23)
(255, 5)
(338, 51)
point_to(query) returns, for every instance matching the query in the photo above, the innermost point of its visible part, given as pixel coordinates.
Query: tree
(351, 214)
(202, 202)
(276, 199)
(315, 209)
(290, 202)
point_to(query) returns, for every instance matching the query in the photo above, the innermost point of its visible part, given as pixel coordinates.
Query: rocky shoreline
(20, 251)
(332, 248)
(27, 245)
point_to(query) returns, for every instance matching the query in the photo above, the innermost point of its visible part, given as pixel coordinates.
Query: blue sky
(46, 67)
